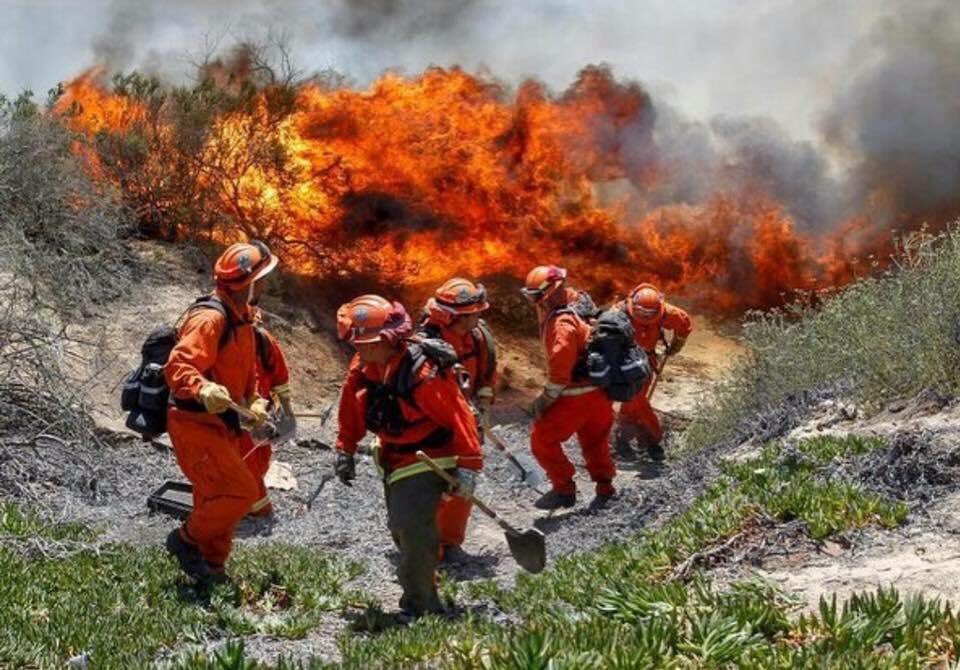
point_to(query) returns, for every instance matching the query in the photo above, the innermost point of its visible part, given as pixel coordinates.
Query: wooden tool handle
(450, 479)
(243, 411)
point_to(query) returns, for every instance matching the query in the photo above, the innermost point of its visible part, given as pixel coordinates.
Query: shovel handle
(448, 478)
(242, 411)
(498, 443)
(656, 376)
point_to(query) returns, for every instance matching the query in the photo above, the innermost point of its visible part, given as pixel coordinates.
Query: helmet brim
(266, 269)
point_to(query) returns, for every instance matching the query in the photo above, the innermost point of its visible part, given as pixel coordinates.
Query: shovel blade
(529, 549)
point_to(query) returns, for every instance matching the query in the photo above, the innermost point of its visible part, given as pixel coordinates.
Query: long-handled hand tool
(527, 547)
(243, 412)
(316, 492)
(530, 472)
(656, 376)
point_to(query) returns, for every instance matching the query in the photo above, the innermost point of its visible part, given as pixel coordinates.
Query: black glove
(345, 468)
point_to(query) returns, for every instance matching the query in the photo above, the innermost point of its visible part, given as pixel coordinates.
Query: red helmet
(457, 297)
(371, 318)
(542, 282)
(243, 263)
(645, 303)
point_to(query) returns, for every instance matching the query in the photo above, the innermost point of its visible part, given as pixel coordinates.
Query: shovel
(530, 472)
(528, 547)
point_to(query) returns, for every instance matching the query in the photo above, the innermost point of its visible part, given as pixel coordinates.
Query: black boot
(553, 499)
(655, 452)
(622, 440)
(602, 501)
(187, 555)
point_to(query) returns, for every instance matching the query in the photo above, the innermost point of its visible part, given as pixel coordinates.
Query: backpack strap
(404, 381)
(214, 303)
(482, 336)
(431, 330)
(264, 350)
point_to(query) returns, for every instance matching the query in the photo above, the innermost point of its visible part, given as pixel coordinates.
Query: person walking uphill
(211, 368)
(567, 405)
(405, 393)
(651, 316)
(453, 315)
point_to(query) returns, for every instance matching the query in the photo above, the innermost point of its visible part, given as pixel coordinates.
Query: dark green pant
(412, 517)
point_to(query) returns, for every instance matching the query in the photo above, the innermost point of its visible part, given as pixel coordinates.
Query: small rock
(832, 549)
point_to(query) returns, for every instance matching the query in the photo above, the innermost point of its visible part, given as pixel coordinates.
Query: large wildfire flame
(420, 178)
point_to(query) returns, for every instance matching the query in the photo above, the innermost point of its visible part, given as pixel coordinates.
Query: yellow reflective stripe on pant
(260, 504)
(445, 462)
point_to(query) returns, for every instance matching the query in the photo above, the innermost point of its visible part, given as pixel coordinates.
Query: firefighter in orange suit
(208, 374)
(411, 403)
(453, 314)
(567, 405)
(652, 316)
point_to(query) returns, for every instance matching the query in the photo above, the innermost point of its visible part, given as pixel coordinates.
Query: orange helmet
(542, 282)
(457, 297)
(645, 303)
(243, 263)
(371, 318)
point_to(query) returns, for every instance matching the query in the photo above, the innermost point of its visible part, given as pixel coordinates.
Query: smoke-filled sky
(785, 59)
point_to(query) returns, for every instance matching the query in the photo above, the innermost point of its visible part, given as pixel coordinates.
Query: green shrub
(879, 338)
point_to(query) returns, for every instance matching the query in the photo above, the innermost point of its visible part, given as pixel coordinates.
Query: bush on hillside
(60, 231)
(880, 338)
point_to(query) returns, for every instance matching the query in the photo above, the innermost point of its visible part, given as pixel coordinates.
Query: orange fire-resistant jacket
(475, 357)
(674, 319)
(564, 336)
(437, 403)
(197, 357)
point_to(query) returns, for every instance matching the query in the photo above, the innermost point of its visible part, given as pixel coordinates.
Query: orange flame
(421, 178)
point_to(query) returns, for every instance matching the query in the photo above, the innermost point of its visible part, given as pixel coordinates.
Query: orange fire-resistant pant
(453, 513)
(223, 487)
(257, 460)
(590, 418)
(638, 412)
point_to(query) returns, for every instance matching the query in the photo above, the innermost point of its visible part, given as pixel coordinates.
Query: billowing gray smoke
(898, 120)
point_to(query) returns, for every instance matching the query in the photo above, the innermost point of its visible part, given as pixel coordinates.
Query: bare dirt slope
(921, 466)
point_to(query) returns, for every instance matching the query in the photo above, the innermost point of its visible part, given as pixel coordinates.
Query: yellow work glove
(215, 398)
(259, 408)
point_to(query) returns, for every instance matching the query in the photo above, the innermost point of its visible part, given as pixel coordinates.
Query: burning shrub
(421, 178)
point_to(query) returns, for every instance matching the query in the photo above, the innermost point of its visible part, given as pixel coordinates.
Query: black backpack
(482, 336)
(144, 392)
(384, 413)
(614, 361)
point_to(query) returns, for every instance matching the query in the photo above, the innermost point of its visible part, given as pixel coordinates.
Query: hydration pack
(144, 392)
(384, 412)
(613, 360)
